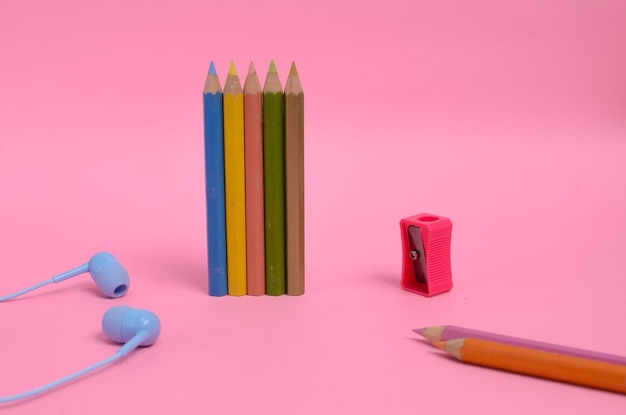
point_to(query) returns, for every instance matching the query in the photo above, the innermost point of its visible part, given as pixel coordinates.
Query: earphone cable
(61, 381)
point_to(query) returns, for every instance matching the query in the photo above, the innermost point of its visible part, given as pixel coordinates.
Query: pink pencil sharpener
(426, 254)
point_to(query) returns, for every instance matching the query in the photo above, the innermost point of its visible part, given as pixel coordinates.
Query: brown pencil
(255, 223)
(294, 182)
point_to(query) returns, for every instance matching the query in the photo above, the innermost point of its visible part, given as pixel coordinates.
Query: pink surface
(507, 117)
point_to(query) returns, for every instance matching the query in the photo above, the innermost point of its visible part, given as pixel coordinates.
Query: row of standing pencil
(254, 165)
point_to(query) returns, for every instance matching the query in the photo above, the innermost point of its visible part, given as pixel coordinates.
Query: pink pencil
(444, 333)
(255, 217)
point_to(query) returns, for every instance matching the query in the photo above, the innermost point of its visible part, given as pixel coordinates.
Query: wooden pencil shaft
(255, 222)
(564, 368)
(214, 180)
(449, 332)
(234, 167)
(294, 191)
(274, 176)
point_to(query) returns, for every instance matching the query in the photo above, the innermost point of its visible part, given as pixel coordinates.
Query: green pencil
(274, 175)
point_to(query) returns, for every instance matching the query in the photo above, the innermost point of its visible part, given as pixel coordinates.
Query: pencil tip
(273, 67)
(434, 333)
(212, 69)
(440, 345)
(232, 71)
(251, 68)
(293, 71)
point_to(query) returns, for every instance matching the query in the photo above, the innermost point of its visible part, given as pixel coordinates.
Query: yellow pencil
(234, 170)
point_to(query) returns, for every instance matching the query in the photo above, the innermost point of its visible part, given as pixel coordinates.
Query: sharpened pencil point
(252, 85)
(440, 345)
(419, 330)
(212, 69)
(232, 71)
(453, 347)
(272, 81)
(212, 83)
(434, 333)
(251, 69)
(293, 71)
(272, 67)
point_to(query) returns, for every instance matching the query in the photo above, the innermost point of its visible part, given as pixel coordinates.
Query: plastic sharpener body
(426, 254)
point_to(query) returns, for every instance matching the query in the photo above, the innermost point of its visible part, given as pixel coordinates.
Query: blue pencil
(214, 168)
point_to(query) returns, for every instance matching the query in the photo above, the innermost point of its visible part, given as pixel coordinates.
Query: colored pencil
(439, 333)
(214, 181)
(274, 176)
(563, 368)
(235, 179)
(255, 222)
(294, 182)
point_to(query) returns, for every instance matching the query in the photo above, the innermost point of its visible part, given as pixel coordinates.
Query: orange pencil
(548, 365)
(255, 213)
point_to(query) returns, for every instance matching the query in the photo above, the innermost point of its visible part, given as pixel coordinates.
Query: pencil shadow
(421, 340)
(182, 270)
(440, 354)
(432, 350)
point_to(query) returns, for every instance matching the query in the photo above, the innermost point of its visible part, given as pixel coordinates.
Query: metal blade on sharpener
(417, 253)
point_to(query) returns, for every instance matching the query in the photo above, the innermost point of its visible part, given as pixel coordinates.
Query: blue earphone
(109, 275)
(129, 326)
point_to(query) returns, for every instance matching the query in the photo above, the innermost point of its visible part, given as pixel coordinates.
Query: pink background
(507, 117)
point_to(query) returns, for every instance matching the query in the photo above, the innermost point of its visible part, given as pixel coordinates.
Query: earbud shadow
(100, 337)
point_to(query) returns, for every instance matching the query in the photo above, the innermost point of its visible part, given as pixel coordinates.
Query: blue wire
(26, 290)
(58, 382)
(128, 347)
(61, 277)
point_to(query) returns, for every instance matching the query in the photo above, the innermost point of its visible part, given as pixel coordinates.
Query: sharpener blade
(417, 254)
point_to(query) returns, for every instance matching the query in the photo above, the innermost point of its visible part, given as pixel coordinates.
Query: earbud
(124, 324)
(110, 276)
(131, 326)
